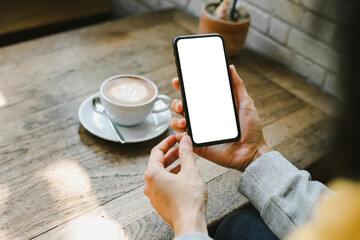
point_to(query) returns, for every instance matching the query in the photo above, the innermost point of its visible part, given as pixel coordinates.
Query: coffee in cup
(129, 90)
(129, 99)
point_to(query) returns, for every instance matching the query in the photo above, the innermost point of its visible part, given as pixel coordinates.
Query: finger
(171, 156)
(175, 82)
(177, 106)
(178, 124)
(179, 130)
(240, 92)
(146, 190)
(158, 152)
(180, 135)
(186, 153)
(176, 169)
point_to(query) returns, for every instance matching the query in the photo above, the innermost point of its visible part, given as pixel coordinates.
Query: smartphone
(206, 89)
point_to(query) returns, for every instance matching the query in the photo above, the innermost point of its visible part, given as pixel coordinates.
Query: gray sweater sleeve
(283, 194)
(193, 236)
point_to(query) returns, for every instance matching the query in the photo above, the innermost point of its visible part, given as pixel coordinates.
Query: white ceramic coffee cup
(127, 114)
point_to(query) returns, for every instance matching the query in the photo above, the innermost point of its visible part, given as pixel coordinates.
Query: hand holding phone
(239, 154)
(206, 89)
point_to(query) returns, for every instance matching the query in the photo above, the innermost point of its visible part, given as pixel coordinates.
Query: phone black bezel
(183, 95)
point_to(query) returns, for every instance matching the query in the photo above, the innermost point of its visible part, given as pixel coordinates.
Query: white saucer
(154, 125)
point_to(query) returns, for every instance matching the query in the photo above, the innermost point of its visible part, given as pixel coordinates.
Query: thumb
(186, 153)
(239, 86)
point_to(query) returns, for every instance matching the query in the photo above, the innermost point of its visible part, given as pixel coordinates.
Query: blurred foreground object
(336, 217)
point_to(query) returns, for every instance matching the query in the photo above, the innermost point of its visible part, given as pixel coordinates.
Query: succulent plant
(223, 11)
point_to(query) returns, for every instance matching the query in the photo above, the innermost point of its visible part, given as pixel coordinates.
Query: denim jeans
(244, 224)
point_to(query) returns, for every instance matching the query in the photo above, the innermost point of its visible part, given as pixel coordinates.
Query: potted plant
(231, 22)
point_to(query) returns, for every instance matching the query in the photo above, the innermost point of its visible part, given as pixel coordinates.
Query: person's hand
(179, 195)
(238, 154)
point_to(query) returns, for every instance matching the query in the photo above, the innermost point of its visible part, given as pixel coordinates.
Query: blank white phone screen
(207, 89)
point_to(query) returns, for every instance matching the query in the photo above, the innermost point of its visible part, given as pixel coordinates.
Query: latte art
(129, 91)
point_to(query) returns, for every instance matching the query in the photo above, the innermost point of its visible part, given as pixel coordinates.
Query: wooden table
(58, 181)
(24, 19)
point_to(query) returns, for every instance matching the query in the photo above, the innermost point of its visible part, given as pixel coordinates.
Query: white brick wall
(309, 70)
(318, 27)
(260, 19)
(304, 35)
(258, 41)
(336, 10)
(279, 30)
(333, 85)
(315, 50)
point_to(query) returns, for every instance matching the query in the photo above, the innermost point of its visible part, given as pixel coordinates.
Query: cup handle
(166, 100)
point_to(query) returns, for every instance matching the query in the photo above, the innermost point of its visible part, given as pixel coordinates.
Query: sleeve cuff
(264, 177)
(193, 236)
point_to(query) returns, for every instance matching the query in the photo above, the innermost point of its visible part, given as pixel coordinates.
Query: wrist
(263, 148)
(253, 155)
(193, 221)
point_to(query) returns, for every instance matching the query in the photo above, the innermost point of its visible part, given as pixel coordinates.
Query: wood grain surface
(58, 181)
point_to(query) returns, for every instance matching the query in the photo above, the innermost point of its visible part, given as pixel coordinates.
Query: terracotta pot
(234, 33)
